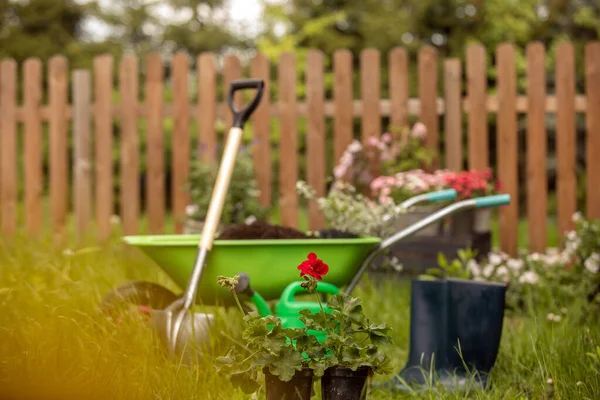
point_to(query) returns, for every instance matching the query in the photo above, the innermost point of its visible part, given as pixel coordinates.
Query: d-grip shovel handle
(241, 116)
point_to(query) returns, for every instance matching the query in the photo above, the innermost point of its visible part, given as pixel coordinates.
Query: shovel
(179, 328)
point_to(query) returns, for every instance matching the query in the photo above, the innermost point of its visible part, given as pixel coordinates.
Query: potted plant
(469, 184)
(352, 341)
(395, 189)
(242, 199)
(288, 358)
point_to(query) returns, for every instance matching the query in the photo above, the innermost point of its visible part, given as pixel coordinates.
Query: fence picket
(315, 86)
(507, 150)
(592, 89)
(537, 202)
(398, 62)
(453, 117)
(262, 131)
(288, 143)
(428, 83)
(57, 120)
(82, 182)
(103, 143)
(232, 70)
(155, 149)
(34, 173)
(342, 98)
(478, 157)
(181, 140)
(8, 146)
(370, 90)
(207, 107)
(128, 85)
(566, 185)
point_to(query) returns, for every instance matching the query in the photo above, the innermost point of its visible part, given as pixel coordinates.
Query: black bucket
(344, 384)
(297, 388)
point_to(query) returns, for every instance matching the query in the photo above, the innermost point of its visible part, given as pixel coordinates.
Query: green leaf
(286, 366)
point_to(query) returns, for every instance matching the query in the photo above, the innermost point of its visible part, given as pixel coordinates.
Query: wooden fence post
(34, 174)
(8, 146)
(428, 85)
(507, 151)
(537, 202)
(370, 91)
(181, 140)
(59, 172)
(82, 185)
(478, 157)
(453, 114)
(129, 185)
(155, 148)
(315, 135)
(566, 185)
(342, 98)
(103, 144)
(592, 89)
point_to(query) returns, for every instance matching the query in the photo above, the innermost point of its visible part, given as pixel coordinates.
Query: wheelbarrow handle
(481, 202)
(241, 116)
(437, 196)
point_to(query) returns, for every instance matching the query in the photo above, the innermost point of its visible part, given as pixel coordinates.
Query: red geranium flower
(313, 267)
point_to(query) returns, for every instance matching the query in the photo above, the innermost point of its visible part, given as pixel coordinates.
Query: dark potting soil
(263, 230)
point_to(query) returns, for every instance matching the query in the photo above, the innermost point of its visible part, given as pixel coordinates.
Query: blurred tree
(202, 31)
(42, 28)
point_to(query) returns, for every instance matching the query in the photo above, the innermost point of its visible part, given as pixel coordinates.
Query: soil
(263, 230)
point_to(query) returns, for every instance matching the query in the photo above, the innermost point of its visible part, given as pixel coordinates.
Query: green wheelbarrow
(270, 264)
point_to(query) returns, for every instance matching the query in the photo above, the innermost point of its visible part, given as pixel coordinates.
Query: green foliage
(458, 268)
(242, 199)
(352, 339)
(268, 345)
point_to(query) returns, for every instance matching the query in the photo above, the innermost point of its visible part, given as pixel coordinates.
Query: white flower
(488, 270)
(563, 310)
(571, 235)
(191, 210)
(515, 264)
(577, 217)
(535, 257)
(474, 268)
(579, 383)
(495, 259)
(592, 264)
(529, 277)
(355, 147)
(502, 271)
(115, 219)
(68, 252)
(555, 318)
(550, 381)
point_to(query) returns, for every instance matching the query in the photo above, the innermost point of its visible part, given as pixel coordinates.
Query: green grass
(54, 344)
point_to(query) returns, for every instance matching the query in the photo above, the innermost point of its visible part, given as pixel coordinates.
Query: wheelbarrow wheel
(145, 296)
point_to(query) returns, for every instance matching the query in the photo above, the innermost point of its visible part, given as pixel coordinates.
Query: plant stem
(238, 302)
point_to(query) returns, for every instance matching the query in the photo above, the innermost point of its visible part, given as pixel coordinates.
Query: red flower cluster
(313, 267)
(469, 183)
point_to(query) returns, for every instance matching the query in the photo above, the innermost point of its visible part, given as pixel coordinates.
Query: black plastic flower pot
(340, 383)
(297, 388)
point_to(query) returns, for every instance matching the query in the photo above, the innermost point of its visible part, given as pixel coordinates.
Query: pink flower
(419, 131)
(386, 138)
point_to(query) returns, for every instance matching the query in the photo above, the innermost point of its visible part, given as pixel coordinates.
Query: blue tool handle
(492, 201)
(442, 195)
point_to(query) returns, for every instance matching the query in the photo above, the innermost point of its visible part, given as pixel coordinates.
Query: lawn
(54, 344)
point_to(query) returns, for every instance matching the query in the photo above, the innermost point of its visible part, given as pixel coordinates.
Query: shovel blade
(194, 334)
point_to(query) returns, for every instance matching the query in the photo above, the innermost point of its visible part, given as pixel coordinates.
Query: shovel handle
(241, 116)
(234, 138)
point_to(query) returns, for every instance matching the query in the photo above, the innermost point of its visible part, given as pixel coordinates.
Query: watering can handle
(294, 288)
(241, 116)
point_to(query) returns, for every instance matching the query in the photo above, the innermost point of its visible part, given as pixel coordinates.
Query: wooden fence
(92, 111)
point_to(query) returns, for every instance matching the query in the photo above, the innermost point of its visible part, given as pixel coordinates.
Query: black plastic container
(297, 388)
(340, 383)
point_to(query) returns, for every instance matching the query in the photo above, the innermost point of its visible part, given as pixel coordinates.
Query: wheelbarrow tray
(272, 263)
